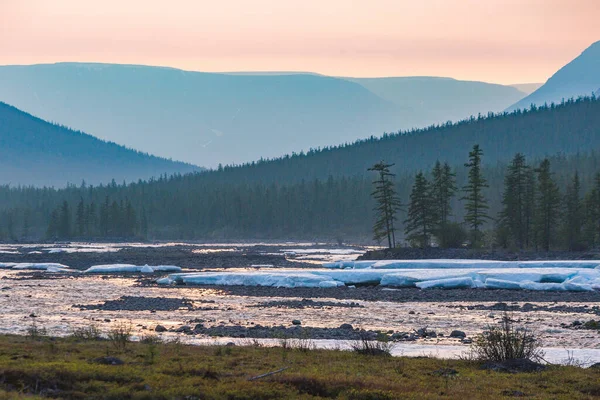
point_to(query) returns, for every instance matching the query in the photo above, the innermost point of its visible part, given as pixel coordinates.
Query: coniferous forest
(536, 186)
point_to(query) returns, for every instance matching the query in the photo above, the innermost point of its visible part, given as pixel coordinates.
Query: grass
(35, 367)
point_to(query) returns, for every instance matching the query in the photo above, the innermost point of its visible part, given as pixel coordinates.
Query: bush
(378, 347)
(36, 333)
(451, 236)
(91, 332)
(120, 335)
(506, 342)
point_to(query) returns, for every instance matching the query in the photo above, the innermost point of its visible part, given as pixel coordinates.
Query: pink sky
(504, 41)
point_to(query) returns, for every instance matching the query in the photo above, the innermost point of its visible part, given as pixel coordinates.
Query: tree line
(534, 213)
(326, 194)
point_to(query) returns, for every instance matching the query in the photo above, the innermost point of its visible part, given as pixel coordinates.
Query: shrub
(506, 342)
(120, 335)
(381, 346)
(91, 332)
(36, 333)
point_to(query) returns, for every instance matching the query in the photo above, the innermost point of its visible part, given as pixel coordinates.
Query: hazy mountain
(428, 100)
(35, 152)
(207, 118)
(527, 88)
(580, 77)
(203, 118)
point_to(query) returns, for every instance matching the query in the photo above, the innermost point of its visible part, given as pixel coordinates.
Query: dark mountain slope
(35, 152)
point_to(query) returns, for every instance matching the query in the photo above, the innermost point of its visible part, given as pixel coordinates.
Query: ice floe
(424, 274)
(48, 267)
(128, 268)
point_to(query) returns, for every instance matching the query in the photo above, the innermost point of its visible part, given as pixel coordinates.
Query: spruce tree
(387, 204)
(443, 189)
(421, 219)
(475, 203)
(573, 216)
(514, 214)
(80, 219)
(547, 212)
(64, 225)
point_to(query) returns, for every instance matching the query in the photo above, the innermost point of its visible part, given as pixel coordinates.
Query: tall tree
(547, 206)
(421, 219)
(514, 214)
(475, 202)
(80, 219)
(64, 227)
(387, 206)
(592, 214)
(443, 189)
(573, 216)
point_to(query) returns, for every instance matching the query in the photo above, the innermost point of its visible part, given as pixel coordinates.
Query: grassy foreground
(64, 368)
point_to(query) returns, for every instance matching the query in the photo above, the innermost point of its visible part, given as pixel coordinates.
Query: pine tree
(80, 219)
(52, 231)
(388, 204)
(573, 216)
(514, 214)
(64, 226)
(547, 206)
(422, 217)
(443, 189)
(592, 214)
(529, 210)
(476, 205)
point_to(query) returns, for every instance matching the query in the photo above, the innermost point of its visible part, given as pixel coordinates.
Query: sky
(502, 41)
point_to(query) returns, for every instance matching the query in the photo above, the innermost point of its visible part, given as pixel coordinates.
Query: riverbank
(70, 368)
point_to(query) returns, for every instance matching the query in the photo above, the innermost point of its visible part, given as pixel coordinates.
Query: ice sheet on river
(453, 264)
(49, 267)
(125, 268)
(579, 276)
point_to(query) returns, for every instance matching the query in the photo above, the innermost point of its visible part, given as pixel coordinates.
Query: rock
(106, 320)
(411, 312)
(108, 361)
(296, 322)
(513, 366)
(458, 334)
(32, 315)
(184, 329)
(576, 323)
(230, 344)
(160, 328)
(445, 372)
(467, 341)
(346, 326)
(514, 393)
(595, 366)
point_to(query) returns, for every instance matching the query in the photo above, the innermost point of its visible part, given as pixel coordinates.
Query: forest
(324, 194)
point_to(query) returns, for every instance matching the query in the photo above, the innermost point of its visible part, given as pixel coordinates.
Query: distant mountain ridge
(580, 77)
(209, 118)
(36, 152)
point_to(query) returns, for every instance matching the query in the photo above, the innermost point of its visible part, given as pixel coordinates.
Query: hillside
(429, 100)
(324, 194)
(35, 152)
(580, 77)
(208, 118)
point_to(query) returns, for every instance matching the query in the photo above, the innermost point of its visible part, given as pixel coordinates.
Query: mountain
(209, 118)
(430, 100)
(527, 88)
(326, 194)
(35, 152)
(580, 77)
(203, 118)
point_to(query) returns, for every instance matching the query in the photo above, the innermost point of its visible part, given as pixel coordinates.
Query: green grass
(63, 368)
